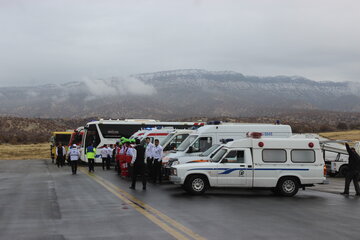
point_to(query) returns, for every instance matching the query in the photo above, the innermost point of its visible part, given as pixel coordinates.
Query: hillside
(17, 130)
(33, 130)
(179, 94)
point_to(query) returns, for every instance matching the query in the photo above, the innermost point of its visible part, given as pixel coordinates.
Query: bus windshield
(186, 143)
(62, 138)
(210, 150)
(92, 136)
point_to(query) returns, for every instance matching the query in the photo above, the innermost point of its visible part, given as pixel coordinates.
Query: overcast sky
(60, 41)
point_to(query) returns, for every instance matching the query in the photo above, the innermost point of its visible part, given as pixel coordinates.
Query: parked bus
(77, 136)
(108, 132)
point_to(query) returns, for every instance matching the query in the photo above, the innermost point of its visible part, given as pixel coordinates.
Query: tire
(343, 170)
(196, 184)
(287, 187)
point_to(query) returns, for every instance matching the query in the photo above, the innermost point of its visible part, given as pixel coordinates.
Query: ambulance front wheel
(196, 184)
(288, 186)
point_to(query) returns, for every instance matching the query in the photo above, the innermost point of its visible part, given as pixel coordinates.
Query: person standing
(110, 153)
(157, 155)
(74, 156)
(117, 156)
(90, 154)
(128, 157)
(60, 155)
(353, 172)
(149, 152)
(104, 155)
(138, 164)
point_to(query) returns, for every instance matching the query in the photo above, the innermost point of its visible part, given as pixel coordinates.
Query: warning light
(311, 145)
(261, 144)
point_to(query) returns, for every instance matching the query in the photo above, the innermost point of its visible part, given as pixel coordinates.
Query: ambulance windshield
(166, 139)
(219, 155)
(210, 150)
(186, 143)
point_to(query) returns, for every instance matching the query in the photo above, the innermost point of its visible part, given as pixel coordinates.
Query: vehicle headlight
(174, 171)
(176, 162)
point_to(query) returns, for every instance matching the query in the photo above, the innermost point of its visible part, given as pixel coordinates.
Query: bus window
(92, 136)
(112, 130)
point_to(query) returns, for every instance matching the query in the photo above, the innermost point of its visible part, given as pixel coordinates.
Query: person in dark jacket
(354, 171)
(139, 166)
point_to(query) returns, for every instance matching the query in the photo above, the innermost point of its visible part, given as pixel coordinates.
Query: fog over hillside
(178, 94)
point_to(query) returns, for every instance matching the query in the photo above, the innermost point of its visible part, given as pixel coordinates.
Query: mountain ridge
(179, 93)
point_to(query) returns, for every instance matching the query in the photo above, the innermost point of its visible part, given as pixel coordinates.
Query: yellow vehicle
(56, 138)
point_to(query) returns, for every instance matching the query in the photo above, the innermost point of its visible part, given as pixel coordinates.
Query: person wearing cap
(149, 151)
(128, 157)
(74, 156)
(138, 164)
(90, 155)
(157, 155)
(104, 156)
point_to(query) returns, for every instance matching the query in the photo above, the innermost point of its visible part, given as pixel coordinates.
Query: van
(174, 139)
(208, 135)
(283, 165)
(159, 134)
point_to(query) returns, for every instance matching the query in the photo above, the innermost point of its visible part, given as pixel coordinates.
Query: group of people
(73, 156)
(133, 159)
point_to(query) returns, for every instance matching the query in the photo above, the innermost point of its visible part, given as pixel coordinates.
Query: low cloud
(119, 86)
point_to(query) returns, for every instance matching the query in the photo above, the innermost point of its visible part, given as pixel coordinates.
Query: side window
(202, 144)
(235, 157)
(302, 156)
(274, 155)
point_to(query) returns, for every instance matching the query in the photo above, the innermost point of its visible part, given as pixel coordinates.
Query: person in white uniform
(157, 155)
(74, 158)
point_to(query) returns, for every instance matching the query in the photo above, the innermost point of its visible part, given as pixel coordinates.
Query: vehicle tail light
(325, 172)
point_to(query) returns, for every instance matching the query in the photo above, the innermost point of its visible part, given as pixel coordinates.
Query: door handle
(242, 165)
(249, 165)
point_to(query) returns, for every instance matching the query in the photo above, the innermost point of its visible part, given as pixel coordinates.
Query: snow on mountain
(179, 93)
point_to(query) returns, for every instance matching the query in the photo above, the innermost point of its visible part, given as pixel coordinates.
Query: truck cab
(283, 165)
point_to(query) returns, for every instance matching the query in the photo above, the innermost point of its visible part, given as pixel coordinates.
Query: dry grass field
(352, 135)
(24, 152)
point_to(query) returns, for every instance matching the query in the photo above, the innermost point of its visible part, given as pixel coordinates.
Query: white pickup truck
(281, 164)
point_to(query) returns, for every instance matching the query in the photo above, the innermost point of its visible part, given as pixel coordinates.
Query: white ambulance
(159, 134)
(208, 135)
(281, 164)
(174, 139)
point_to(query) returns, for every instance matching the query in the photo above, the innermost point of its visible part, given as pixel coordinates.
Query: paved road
(40, 201)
